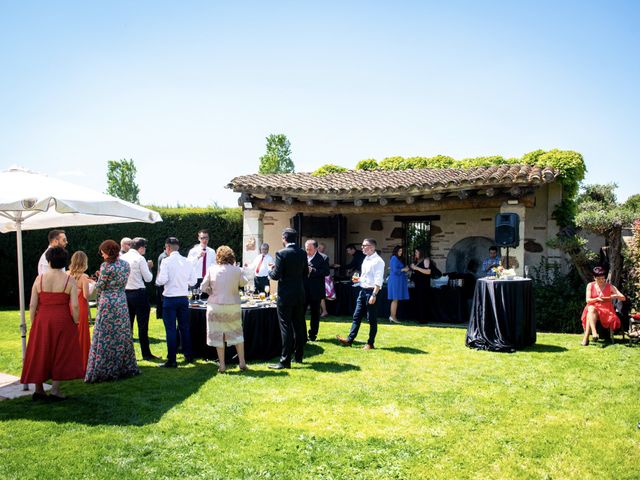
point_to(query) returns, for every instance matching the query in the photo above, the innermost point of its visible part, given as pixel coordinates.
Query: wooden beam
(417, 207)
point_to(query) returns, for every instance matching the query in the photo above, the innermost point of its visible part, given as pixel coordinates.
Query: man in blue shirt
(492, 261)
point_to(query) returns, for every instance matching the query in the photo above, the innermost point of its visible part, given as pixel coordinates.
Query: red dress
(84, 336)
(606, 313)
(53, 351)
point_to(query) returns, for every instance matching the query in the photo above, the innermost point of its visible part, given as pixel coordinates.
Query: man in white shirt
(371, 279)
(176, 275)
(260, 268)
(137, 299)
(57, 238)
(202, 256)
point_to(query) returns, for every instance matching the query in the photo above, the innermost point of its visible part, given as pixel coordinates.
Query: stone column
(517, 252)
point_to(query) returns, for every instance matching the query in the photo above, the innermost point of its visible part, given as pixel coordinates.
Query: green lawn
(421, 405)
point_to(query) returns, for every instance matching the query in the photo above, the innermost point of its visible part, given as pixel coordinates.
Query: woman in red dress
(79, 265)
(53, 351)
(600, 293)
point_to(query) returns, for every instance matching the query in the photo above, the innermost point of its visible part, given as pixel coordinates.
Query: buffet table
(502, 317)
(444, 305)
(260, 328)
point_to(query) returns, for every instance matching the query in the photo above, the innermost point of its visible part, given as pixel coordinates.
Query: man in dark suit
(290, 270)
(314, 284)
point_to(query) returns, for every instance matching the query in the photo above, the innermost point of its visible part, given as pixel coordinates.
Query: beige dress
(224, 315)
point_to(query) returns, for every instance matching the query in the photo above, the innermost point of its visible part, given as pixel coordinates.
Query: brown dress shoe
(368, 347)
(343, 341)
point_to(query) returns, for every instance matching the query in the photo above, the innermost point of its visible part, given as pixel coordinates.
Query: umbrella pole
(23, 323)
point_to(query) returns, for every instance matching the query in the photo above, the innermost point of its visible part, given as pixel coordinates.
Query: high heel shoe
(595, 338)
(585, 343)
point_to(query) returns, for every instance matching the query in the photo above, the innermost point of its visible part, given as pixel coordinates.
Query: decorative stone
(533, 247)
(397, 233)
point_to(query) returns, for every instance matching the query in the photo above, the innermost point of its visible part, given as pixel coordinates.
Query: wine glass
(266, 289)
(526, 271)
(355, 278)
(190, 293)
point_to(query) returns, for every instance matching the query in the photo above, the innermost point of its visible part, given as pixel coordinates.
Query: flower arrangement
(497, 271)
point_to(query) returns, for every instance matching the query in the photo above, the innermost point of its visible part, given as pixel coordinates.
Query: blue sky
(189, 90)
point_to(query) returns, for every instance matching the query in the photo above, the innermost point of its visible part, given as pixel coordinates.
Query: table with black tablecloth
(444, 305)
(502, 317)
(260, 328)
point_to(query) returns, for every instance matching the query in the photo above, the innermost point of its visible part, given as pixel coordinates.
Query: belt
(134, 289)
(368, 289)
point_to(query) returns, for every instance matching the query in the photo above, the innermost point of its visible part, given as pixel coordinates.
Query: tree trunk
(615, 256)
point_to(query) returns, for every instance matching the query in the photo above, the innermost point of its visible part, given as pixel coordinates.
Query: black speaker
(507, 229)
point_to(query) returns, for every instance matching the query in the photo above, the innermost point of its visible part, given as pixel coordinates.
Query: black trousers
(293, 332)
(139, 308)
(260, 283)
(314, 313)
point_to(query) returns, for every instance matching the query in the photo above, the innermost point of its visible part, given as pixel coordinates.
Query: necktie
(259, 265)
(204, 264)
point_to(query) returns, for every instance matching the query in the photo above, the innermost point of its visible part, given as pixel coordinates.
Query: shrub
(559, 298)
(327, 170)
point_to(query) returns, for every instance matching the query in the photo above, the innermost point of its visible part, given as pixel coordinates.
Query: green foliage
(277, 158)
(569, 164)
(368, 164)
(633, 204)
(121, 180)
(224, 225)
(327, 170)
(598, 211)
(482, 162)
(559, 298)
(632, 269)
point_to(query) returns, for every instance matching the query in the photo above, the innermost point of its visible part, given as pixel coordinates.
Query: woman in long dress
(112, 355)
(424, 269)
(599, 308)
(398, 284)
(224, 314)
(79, 265)
(53, 351)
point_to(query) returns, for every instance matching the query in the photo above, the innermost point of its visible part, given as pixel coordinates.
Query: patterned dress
(112, 355)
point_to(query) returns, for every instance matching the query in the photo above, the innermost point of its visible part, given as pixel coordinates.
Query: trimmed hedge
(224, 225)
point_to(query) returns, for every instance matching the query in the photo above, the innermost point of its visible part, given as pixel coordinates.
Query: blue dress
(398, 285)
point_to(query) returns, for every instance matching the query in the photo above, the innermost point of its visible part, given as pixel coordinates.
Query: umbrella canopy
(44, 202)
(33, 201)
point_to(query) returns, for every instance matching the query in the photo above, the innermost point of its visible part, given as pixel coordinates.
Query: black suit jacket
(314, 282)
(290, 271)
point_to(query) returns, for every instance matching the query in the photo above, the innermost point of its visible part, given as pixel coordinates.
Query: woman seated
(600, 294)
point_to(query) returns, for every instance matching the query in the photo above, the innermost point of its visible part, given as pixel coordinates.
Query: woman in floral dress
(112, 355)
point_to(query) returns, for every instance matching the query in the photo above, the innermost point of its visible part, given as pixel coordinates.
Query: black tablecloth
(261, 331)
(502, 317)
(444, 305)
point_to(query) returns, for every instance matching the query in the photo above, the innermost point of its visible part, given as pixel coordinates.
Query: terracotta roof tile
(385, 182)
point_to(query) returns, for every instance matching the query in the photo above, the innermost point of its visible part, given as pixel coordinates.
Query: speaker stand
(507, 267)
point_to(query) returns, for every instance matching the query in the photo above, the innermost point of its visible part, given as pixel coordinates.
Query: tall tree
(121, 180)
(277, 159)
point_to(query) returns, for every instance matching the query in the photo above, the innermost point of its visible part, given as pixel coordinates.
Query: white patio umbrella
(34, 201)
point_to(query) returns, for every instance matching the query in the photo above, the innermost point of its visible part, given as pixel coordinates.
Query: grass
(421, 405)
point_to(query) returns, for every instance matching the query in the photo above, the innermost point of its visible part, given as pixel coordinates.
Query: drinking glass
(526, 271)
(266, 289)
(355, 278)
(190, 294)
(263, 296)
